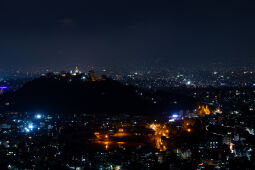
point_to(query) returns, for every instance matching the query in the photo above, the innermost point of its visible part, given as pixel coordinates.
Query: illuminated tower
(77, 71)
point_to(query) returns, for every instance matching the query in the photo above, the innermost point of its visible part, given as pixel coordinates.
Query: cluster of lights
(31, 126)
(160, 131)
(173, 117)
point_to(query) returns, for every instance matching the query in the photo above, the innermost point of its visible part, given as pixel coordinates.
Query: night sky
(57, 34)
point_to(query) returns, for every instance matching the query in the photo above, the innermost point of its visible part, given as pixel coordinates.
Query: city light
(160, 131)
(175, 115)
(30, 126)
(38, 116)
(203, 110)
(127, 85)
(27, 130)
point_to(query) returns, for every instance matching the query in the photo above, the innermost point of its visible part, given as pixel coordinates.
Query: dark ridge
(60, 95)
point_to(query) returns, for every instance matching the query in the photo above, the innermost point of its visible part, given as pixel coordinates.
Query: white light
(171, 120)
(30, 126)
(175, 116)
(38, 116)
(27, 130)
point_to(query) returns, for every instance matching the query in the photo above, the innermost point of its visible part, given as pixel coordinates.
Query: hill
(64, 95)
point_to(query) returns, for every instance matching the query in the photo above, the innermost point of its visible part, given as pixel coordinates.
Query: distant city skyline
(127, 84)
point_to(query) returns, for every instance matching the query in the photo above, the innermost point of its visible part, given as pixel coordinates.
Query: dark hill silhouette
(107, 96)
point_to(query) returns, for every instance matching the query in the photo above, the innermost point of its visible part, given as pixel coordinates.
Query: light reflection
(105, 139)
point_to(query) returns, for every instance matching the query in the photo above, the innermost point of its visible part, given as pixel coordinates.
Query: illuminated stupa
(203, 110)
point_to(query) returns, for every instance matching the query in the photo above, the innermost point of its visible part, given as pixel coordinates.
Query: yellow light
(189, 130)
(159, 131)
(203, 110)
(117, 167)
(97, 134)
(201, 164)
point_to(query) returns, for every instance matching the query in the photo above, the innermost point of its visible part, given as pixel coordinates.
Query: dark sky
(61, 33)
